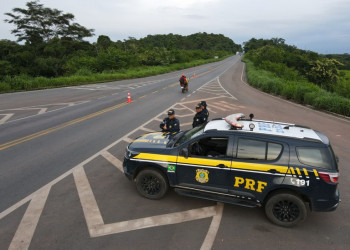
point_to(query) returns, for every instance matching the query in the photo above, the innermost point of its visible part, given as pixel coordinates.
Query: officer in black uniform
(204, 109)
(199, 117)
(170, 124)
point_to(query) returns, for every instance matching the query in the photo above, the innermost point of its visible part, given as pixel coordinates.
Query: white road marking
(154, 221)
(184, 115)
(186, 124)
(26, 228)
(214, 227)
(211, 111)
(42, 111)
(88, 202)
(90, 208)
(147, 129)
(112, 159)
(5, 118)
(127, 139)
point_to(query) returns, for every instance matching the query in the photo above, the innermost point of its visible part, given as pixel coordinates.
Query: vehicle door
(258, 165)
(204, 164)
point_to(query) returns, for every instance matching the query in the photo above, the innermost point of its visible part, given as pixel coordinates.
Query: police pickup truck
(288, 169)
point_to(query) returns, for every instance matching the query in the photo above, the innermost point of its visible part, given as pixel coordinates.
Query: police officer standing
(199, 117)
(170, 124)
(204, 109)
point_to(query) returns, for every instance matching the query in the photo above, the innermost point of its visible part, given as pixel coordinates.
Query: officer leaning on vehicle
(200, 117)
(170, 124)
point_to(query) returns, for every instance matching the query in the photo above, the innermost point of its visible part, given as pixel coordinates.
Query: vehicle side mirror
(184, 152)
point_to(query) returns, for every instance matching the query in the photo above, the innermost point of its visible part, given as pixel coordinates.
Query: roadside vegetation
(301, 76)
(50, 52)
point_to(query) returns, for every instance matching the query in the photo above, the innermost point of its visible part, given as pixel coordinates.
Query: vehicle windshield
(188, 135)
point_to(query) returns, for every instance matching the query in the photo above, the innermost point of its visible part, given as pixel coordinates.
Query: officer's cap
(204, 103)
(171, 112)
(198, 106)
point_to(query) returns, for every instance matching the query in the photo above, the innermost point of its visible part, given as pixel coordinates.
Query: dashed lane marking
(61, 126)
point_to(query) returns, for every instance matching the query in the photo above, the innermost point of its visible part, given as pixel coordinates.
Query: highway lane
(49, 144)
(63, 225)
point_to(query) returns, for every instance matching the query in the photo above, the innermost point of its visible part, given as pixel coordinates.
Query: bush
(300, 91)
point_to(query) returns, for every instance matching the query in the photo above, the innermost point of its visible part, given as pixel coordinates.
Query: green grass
(343, 86)
(83, 76)
(300, 91)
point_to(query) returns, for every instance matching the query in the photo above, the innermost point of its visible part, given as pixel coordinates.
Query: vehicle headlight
(129, 154)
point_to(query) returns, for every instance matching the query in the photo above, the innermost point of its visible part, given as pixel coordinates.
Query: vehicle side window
(258, 150)
(212, 147)
(273, 151)
(316, 157)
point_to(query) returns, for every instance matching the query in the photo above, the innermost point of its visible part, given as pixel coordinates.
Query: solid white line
(199, 100)
(226, 90)
(185, 124)
(154, 221)
(29, 222)
(127, 139)
(184, 115)
(42, 111)
(211, 111)
(112, 159)
(5, 118)
(214, 227)
(87, 199)
(147, 129)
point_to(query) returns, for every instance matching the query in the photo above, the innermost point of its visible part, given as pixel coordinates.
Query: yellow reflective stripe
(258, 167)
(298, 171)
(212, 162)
(202, 161)
(315, 172)
(156, 157)
(305, 172)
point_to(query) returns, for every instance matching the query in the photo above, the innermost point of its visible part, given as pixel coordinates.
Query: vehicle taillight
(329, 177)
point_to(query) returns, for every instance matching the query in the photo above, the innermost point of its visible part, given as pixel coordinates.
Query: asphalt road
(61, 186)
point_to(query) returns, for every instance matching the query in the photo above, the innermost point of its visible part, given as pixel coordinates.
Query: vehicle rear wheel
(286, 209)
(151, 184)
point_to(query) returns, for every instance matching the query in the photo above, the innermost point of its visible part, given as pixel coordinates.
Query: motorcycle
(184, 87)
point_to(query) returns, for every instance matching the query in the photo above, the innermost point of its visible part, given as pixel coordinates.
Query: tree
(324, 72)
(39, 24)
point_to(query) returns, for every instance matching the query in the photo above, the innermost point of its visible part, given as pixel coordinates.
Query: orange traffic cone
(129, 98)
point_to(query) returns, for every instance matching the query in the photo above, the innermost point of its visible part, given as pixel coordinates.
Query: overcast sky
(322, 26)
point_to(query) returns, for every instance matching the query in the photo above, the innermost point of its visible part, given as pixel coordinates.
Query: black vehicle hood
(152, 140)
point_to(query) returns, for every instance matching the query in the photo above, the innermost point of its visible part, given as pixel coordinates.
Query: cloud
(322, 25)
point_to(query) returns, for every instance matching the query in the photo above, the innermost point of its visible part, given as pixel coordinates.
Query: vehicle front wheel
(151, 184)
(286, 209)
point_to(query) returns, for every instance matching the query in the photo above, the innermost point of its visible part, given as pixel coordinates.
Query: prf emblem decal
(171, 168)
(202, 175)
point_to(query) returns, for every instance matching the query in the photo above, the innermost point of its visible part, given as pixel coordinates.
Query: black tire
(183, 90)
(286, 209)
(151, 184)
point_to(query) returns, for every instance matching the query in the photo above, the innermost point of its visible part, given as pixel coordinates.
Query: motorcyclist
(184, 81)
